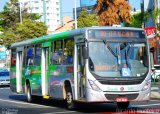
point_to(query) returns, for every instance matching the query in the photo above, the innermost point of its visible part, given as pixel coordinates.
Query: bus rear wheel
(28, 93)
(123, 105)
(69, 99)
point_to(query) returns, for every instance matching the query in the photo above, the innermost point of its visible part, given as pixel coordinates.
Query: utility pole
(142, 11)
(20, 12)
(157, 39)
(75, 14)
(44, 11)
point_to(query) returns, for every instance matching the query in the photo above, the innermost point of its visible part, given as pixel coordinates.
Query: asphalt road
(11, 103)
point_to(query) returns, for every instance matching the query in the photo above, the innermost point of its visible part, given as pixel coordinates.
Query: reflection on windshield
(118, 59)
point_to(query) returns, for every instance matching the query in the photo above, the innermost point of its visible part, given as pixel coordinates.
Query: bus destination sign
(116, 34)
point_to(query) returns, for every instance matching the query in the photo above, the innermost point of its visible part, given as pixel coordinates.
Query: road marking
(5, 88)
(60, 112)
(25, 103)
(154, 100)
(147, 105)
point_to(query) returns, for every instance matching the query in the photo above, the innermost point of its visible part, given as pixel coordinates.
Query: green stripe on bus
(51, 37)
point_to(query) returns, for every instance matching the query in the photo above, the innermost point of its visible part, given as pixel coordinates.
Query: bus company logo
(121, 88)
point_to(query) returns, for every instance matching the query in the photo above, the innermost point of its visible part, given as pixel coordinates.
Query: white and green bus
(94, 64)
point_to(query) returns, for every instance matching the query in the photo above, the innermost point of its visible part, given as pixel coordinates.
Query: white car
(156, 72)
(4, 77)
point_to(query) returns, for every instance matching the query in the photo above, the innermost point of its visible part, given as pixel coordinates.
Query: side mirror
(85, 53)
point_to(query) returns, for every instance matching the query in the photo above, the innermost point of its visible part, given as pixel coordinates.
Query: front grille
(113, 97)
(121, 82)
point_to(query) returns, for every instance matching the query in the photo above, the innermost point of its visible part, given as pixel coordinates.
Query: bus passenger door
(44, 70)
(19, 62)
(81, 85)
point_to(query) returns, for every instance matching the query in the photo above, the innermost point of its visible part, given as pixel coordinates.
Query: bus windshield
(112, 59)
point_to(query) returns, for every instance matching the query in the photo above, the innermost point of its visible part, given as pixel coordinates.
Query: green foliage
(139, 18)
(136, 20)
(30, 29)
(9, 37)
(11, 27)
(87, 20)
(8, 17)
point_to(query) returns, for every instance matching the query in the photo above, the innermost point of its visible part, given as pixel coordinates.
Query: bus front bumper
(99, 96)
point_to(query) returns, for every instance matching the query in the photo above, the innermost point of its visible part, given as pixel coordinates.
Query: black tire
(123, 105)
(28, 93)
(69, 99)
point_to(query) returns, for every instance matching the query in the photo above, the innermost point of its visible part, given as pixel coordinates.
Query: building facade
(87, 3)
(79, 9)
(68, 24)
(48, 9)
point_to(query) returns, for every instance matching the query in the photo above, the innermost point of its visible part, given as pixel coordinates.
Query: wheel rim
(69, 98)
(28, 94)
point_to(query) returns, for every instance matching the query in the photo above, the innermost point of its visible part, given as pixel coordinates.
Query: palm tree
(113, 12)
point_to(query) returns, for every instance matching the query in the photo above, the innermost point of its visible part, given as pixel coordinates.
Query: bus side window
(13, 58)
(30, 56)
(24, 56)
(57, 52)
(68, 51)
(37, 59)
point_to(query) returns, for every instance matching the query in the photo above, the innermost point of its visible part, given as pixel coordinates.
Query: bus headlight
(146, 86)
(94, 86)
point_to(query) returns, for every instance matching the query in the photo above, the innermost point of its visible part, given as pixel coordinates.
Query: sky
(68, 5)
(2, 3)
(135, 4)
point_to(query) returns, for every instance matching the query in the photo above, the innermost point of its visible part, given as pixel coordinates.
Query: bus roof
(66, 34)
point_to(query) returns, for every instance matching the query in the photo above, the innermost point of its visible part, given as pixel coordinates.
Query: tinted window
(13, 57)
(57, 52)
(62, 52)
(30, 56)
(68, 51)
(37, 59)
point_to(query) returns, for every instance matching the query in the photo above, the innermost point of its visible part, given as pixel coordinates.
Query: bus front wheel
(69, 99)
(123, 105)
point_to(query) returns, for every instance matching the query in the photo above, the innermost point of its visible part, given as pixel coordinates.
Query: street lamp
(75, 14)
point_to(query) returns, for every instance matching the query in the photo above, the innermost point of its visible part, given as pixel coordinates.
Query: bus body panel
(33, 74)
(58, 75)
(49, 79)
(13, 79)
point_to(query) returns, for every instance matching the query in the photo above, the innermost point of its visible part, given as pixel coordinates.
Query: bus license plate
(122, 99)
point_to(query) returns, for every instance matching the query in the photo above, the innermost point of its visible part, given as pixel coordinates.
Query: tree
(136, 20)
(11, 14)
(11, 27)
(113, 12)
(8, 17)
(87, 20)
(9, 37)
(30, 29)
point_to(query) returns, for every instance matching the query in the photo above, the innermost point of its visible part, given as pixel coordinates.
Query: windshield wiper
(128, 52)
(110, 49)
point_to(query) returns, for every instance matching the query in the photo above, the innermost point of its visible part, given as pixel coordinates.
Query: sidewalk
(155, 91)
